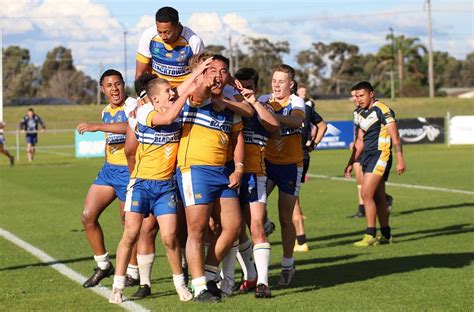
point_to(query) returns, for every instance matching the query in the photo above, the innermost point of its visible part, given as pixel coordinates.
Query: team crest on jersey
(223, 140)
(119, 118)
(285, 111)
(182, 56)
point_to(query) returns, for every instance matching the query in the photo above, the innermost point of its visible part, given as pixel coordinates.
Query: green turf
(67, 116)
(430, 267)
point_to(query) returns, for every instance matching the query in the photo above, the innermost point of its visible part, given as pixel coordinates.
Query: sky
(94, 29)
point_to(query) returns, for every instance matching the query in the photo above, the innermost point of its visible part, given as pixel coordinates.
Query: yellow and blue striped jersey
(169, 61)
(206, 135)
(373, 123)
(287, 149)
(114, 143)
(157, 150)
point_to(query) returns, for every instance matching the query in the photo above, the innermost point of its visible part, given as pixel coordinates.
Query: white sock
(132, 270)
(287, 263)
(228, 264)
(245, 251)
(261, 253)
(119, 282)
(178, 280)
(199, 285)
(210, 272)
(103, 261)
(145, 264)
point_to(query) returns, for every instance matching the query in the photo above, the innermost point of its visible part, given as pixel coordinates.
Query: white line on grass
(64, 270)
(411, 186)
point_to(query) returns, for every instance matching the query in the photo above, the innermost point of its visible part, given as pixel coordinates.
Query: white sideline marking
(412, 186)
(66, 271)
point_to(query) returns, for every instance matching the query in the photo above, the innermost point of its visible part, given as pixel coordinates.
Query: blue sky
(94, 29)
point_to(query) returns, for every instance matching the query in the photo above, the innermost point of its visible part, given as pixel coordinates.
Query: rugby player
(312, 133)
(151, 188)
(253, 195)
(201, 173)
(378, 133)
(29, 124)
(3, 150)
(165, 49)
(284, 160)
(112, 180)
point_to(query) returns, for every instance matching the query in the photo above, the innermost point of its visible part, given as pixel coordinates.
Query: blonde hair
(152, 86)
(197, 59)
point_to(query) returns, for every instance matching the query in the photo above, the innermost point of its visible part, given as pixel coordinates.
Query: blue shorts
(115, 176)
(151, 196)
(286, 177)
(204, 184)
(2, 138)
(377, 162)
(32, 138)
(253, 188)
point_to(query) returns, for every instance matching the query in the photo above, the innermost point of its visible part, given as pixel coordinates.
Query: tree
(263, 55)
(58, 59)
(468, 70)
(20, 78)
(331, 67)
(407, 57)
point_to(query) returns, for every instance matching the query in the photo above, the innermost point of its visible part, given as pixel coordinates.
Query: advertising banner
(90, 144)
(421, 130)
(461, 130)
(339, 134)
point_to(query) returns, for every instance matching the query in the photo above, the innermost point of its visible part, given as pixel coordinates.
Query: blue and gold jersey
(256, 139)
(373, 122)
(114, 143)
(206, 135)
(169, 61)
(287, 149)
(157, 150)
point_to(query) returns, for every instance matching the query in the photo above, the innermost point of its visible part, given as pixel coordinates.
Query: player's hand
(203, 66)
(22, 130)
(236, 83)
(86, 127)
(249, 96)
(401, 167)
(234, 180)
(43, 130)
(348, 171)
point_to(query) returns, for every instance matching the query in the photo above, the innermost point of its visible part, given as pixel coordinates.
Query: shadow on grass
(317, 260)
(50, 263)
(448, 230)
(333, 275)
(425, 209)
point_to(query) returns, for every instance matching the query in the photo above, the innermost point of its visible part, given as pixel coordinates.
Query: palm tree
(406, 55)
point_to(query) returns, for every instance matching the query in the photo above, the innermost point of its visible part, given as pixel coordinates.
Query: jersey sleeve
(237, 124)
(386, 114)
(145, 115)
(297, 105)
(143, 51)
(196, 44)
(316, 118)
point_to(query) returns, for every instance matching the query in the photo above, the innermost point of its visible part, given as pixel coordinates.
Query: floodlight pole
(430, 52)
(392, 79)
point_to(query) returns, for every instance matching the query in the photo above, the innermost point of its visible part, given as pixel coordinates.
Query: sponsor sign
(339, 134)
(461, 130)
(421, 130)
(90, 144)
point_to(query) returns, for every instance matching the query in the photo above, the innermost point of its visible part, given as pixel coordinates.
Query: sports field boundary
(410, 186)
(65, 270)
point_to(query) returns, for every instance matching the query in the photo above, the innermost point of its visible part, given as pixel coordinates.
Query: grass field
(430, 267)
